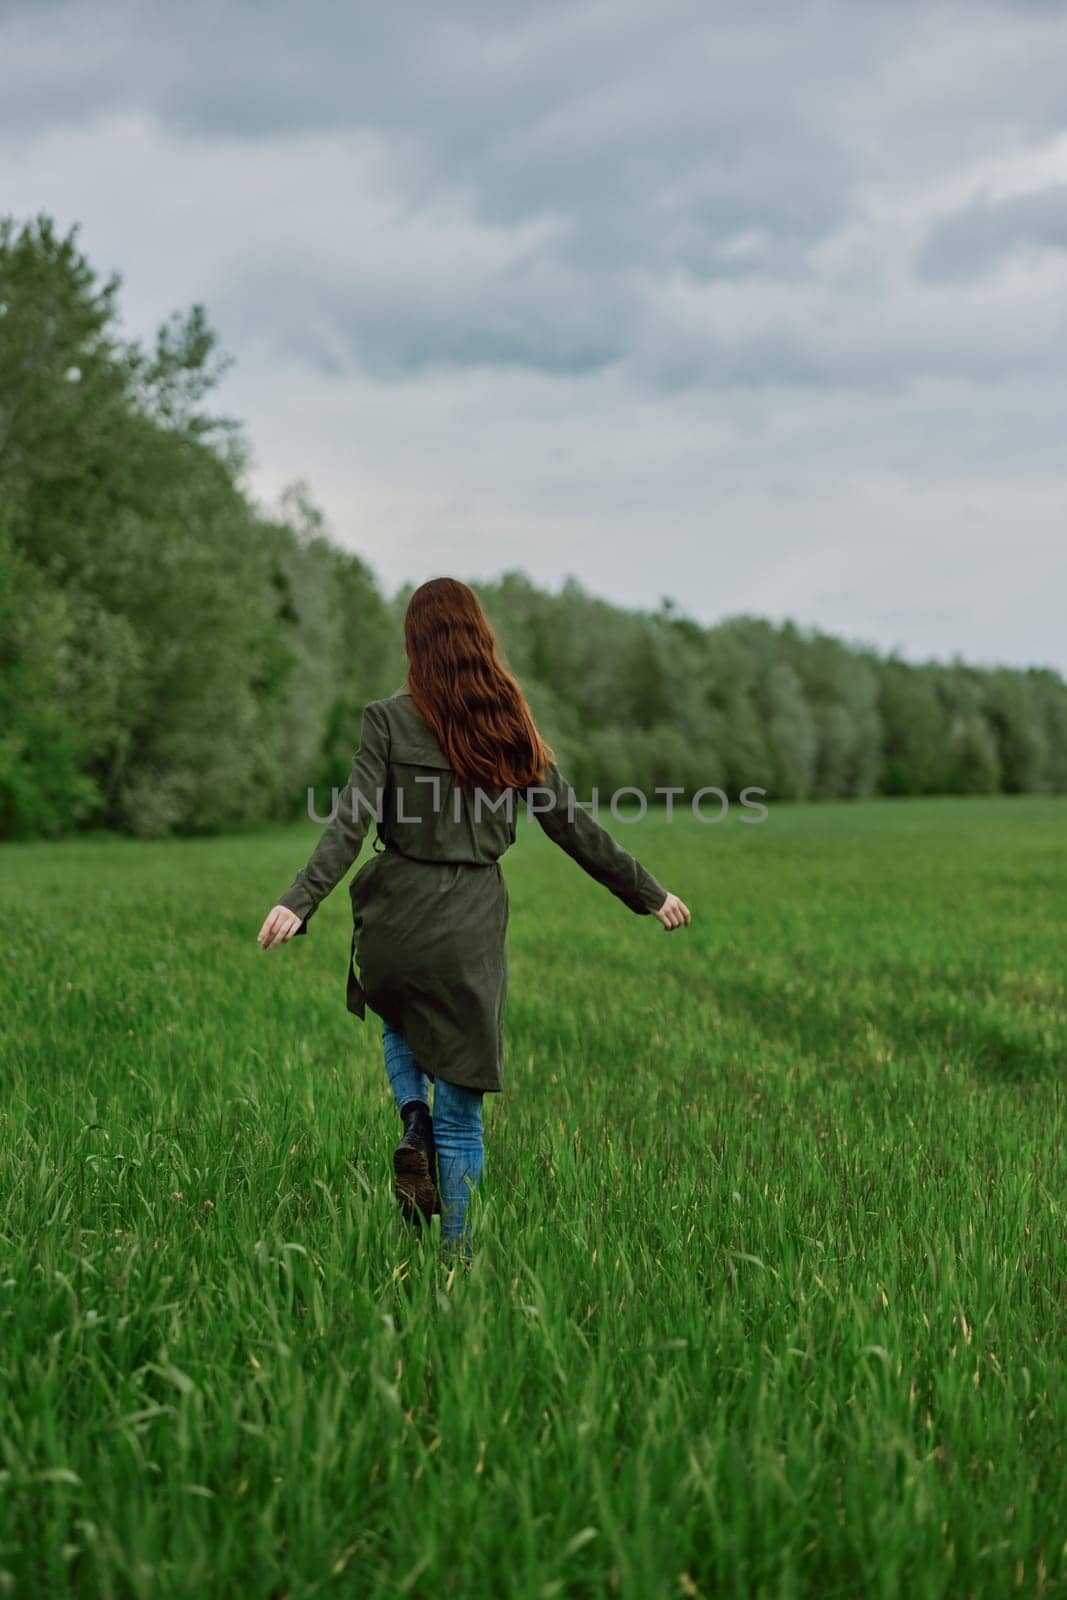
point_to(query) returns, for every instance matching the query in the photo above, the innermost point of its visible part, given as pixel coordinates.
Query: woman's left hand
(280, 925)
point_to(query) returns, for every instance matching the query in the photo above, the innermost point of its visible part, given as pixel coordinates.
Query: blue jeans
(457, 1130)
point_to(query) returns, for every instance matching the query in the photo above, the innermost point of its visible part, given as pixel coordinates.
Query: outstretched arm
(596, 852)
(341, 838)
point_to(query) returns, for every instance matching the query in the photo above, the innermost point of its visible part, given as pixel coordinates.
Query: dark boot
(415, 1164)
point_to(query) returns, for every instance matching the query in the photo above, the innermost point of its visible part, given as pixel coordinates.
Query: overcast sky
(760, 306)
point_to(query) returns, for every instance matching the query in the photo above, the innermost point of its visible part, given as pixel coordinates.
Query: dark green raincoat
(430, 908)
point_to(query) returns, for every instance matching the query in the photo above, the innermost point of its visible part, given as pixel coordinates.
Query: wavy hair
(461, 689)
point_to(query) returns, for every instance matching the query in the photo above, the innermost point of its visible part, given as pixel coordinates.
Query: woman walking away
(440, 767)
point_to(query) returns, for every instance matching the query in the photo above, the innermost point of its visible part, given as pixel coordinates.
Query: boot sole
(416, 1191)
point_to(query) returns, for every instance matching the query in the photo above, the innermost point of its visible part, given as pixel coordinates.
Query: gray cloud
(674, 267)
(983, 235)
(656, 153)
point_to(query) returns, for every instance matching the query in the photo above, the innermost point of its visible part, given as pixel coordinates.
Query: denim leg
(408, 1080)
(457, 1126)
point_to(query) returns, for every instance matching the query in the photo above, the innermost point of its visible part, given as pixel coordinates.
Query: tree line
(174, 657)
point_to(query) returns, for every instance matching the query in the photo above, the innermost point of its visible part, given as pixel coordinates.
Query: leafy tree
(791, 732)
(973, 762)
(916, 723)
(1012, 708)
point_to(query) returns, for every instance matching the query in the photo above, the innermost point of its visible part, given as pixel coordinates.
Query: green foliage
(43, 750)
(768, 1297)
(913, 719)
(177, 659)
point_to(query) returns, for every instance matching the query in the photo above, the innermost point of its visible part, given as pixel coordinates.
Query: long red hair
(461, 688)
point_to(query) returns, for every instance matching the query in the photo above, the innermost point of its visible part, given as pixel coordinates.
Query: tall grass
(771, 1287)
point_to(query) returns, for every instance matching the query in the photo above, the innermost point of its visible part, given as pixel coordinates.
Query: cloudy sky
(761, 306)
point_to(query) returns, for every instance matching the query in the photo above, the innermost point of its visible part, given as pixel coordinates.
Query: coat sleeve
(594, 849)
(359, 801)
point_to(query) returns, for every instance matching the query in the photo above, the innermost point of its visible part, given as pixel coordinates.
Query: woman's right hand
(673, 913)
(280, 925)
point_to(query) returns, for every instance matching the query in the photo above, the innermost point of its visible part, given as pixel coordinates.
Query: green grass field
(771, 1287)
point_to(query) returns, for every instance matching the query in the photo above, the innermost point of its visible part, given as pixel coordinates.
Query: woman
(440, 767)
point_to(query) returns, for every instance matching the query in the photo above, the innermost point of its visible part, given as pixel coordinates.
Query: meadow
(770, 1293)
